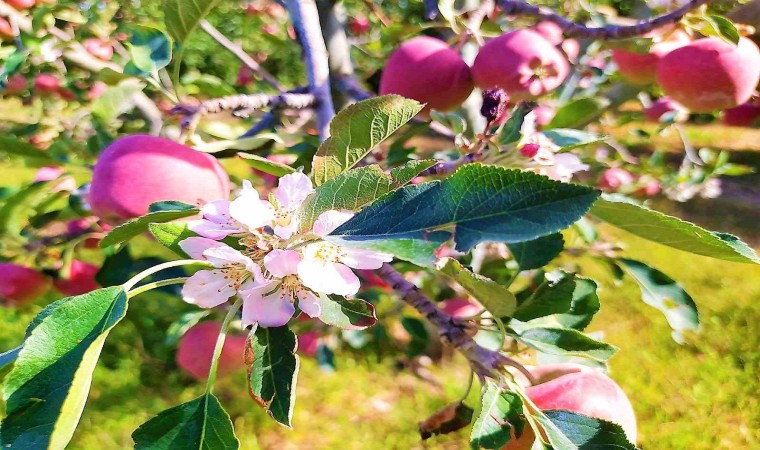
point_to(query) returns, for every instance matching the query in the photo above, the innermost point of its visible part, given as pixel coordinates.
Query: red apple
(460, 307)
(710, 74)
(665, 105)
(429, 71)
(744, 115)
(99, 48)
(308, 343)
(46, 84)
(579, 389)
(245, 76)
(135, 171)
(16, 84)
(521, 62)
(615, 178)
(358, 25)
(20, 285)
(21, 4)
(196, 349)
(6, 30)
(641, 68)
(81, 279)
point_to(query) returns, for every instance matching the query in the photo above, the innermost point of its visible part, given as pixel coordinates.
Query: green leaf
(450, 418)
(565, 342)
(356, 188)
(201, 423)
(553, 296)
(116, 100)
(714, 25)
(358, 129)
(578, 112)
(33, 156)
(586, 433)
(419, 251)
(150, 50)
(537, 253)
(667, 230)
(272, 362)
(139, 225)
(419, 334)
(568, 139)
(500, 412)
(181, 17)
(171, 234)
(266, 165)
(170, 205)
(495, 298)
(585, 304)
(16, 209)
(662, 292)
(46, 391)
(348, 314)
(481, 203)
(510, 131)
(12, 65)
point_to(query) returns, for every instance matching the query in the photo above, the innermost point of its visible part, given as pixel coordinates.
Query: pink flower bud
(530, 150)
(613, 179)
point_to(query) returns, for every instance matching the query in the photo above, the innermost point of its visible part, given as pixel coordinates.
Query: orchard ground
(698, 396)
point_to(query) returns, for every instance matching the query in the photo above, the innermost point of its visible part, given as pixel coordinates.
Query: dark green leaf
(452, 417)
(33, 156)
(482, 203)
(666, 230)
(139, 225)
(170, 205)
(46, 391)
(537, 253)
(568, 139)
(578, 112)
(510, 132)
(150, 50)
(495, 298)
(17, 209)
(566, 342)
(553, 296)
(348, 314)
(419, 334)
(358, 129)
(585, 433)
(12, 64)
(272, 362)
(662, 292)
(200, 424)
(500, 413)
(584, 305)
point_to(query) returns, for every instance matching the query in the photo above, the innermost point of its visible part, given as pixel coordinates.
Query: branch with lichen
(579, 30)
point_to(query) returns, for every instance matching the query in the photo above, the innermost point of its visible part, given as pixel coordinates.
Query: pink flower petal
(286, 231)
(207, 289)
(309, 303)
(281, 263)
(225, 255)
(250, 210)
(330, 278)
(330, 220)
(274, 310)
(292, 190)
(364, 259)
(195, 246)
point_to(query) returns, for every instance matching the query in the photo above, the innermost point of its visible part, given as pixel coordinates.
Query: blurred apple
(196, 350)
(20, 284)
(81, 279)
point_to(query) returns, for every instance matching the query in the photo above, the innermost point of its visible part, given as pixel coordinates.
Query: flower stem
(220, 344)
(156, 284)
(148, 272)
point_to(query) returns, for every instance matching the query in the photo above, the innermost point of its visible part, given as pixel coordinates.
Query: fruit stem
(156, 284)
(220, 344)
(147, 272)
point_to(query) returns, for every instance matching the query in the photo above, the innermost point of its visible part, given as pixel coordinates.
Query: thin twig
(579, 30)
(241, 54)
(305, 17)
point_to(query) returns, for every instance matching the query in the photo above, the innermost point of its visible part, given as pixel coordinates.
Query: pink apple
(196, 349)
(710, 74)
(429, 71)
(579, 389)
(81, 279)
(308, 343)
(99, 48)
(615, 178)
(641, 68)
(20, 285)
(358, 25)
(245, 76)
(665, 105)
(21, 4)
(521, 62)
(744, 115)
(16, 84)
(46, 84)
(135, 171)
(6, 31)
(96, 90)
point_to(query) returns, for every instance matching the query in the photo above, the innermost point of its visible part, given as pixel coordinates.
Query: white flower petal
(207, 289)
(330, 220)
(286, 231)
(330, 278)
(358, 258)
(225, 255)
(195, 246)
(309, 303)
(273, 310)
(213, 230)
(281, 263)
(292, 190)
(251, 211)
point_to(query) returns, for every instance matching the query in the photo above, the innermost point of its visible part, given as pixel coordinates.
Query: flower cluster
(276, 265)
(543, 153)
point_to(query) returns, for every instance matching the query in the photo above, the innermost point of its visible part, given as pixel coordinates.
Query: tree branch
(578, 30)
(305, 18)
(240, 53)
(453, 331)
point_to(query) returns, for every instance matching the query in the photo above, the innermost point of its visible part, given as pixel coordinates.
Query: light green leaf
(46, 391)
(181, 17)
(17, 209)
(348, 314)
(714, 25)
(201, 424)
(136, 226)
(537, 253)
(33, 156)
(116, 100)
(495, 298)
(578, 112)
(171, 234)
(565, 342)
(419, 251)
(568, 139)
(662, 292)
(243, 144)
(673, 232)
(358, 129)
(480, 203)
(500, 413)
(266, 165)
(150, 50)
(273, 370)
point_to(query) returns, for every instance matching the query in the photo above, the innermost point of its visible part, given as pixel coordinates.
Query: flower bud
(494, 105)
(530, 150)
